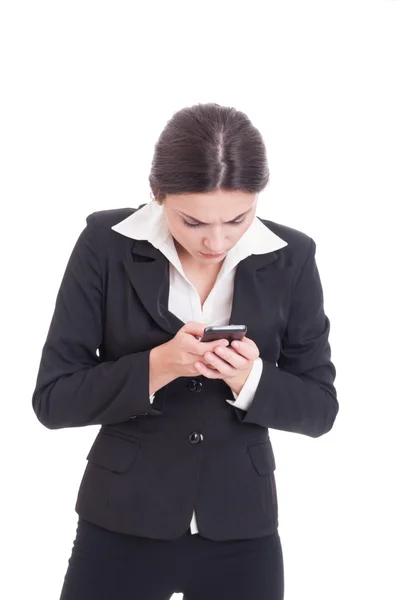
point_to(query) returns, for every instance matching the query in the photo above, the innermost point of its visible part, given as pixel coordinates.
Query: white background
(86, 89)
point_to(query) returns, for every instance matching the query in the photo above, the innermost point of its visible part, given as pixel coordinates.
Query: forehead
(212, 207)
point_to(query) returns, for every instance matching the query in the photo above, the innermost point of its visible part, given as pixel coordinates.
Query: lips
(212, 255)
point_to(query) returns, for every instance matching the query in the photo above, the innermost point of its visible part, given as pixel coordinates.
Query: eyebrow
(224, 222)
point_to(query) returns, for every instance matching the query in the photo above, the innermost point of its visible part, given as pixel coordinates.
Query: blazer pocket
(262, 457)
(113, 453)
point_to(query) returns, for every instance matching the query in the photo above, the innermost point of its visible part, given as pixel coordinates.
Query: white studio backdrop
(86, 89)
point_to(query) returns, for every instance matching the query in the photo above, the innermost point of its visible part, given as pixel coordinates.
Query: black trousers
(105, 565)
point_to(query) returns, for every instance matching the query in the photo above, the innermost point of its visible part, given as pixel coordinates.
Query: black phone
(224, 332)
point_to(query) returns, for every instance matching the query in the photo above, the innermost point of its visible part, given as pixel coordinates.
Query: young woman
(179, 493)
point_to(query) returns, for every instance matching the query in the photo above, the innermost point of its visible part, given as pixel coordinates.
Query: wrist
(237, 383)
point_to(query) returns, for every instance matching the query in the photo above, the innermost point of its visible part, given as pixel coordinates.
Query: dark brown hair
(208, 147)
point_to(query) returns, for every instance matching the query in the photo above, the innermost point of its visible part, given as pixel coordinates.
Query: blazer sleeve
(297, 394)
(74, 387)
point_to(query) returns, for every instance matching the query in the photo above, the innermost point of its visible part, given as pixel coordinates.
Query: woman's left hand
(234, 363)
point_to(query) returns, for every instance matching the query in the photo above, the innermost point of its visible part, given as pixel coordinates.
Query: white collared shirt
(150, 223)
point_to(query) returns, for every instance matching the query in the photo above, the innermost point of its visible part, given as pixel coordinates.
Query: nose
(215, 242)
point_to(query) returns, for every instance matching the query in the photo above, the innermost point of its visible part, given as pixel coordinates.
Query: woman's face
(207, 225)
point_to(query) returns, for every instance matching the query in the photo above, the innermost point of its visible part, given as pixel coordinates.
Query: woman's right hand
(177, 357)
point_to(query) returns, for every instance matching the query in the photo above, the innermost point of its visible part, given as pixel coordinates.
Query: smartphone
(224, 332)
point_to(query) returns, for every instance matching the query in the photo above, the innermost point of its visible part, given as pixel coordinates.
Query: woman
(179, 491)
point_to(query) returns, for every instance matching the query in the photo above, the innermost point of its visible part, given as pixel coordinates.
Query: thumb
(194, 328)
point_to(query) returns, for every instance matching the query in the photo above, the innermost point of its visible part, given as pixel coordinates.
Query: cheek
(187, 240)
(235, 236)
(184, 236)
(241, 231)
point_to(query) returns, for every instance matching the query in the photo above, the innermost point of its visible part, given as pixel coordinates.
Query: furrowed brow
(225, 223)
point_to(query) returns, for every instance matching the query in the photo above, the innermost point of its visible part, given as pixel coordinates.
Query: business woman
(179, 494)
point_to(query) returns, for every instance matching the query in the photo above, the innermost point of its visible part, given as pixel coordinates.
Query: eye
(233, 223)
(191, 224)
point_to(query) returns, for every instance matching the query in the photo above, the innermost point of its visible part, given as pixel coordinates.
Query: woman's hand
(233, 364)
(179, 356)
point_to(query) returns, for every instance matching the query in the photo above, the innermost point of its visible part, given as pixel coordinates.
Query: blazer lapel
(259, 290)
(148, 271)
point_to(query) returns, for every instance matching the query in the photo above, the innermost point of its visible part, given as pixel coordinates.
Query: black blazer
(151, 465)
